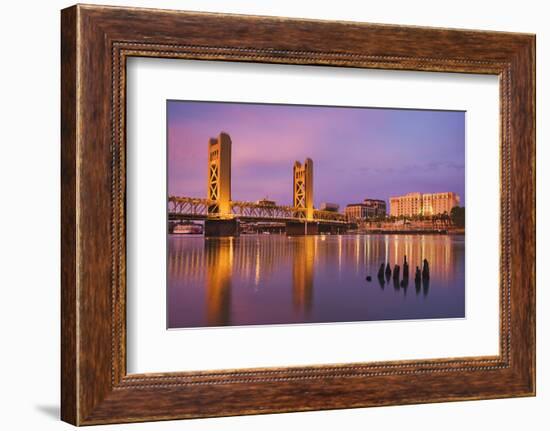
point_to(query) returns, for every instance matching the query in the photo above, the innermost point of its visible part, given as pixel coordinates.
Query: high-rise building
(425, 204)
(408, 205)
(369, 208)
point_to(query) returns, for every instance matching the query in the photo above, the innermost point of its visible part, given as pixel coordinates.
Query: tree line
(457, 217)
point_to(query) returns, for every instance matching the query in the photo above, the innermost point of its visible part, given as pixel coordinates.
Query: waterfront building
(439, 203)
(408, 205)
(427, 204)
(368, 209)
(375, 207)
(327, 206)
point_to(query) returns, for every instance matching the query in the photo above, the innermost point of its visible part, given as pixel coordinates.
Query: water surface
(275, 279)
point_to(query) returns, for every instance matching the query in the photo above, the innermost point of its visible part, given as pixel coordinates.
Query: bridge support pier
(301, 228)
(222, 227)
(332, 229)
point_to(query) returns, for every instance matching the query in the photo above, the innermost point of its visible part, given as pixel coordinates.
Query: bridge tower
(219, 175)
(220, 220)
(303, 188)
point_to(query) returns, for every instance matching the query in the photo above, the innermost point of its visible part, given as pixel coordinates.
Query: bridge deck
(187, 208)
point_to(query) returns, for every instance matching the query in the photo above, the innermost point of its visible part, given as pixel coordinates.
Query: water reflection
(425, 286)
(303, 256)
(268, 279)
(219, 270)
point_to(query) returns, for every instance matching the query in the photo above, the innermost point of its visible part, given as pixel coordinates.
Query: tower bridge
(222, 215)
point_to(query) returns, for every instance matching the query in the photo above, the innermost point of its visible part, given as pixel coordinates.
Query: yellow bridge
(222, 215)
(186, 208)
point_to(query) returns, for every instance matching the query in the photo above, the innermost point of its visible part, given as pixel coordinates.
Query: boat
(188, 229)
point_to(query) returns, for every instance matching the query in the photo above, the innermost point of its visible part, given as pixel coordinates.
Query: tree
(458, 216)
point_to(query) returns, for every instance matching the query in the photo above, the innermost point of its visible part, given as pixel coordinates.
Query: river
(275, 279)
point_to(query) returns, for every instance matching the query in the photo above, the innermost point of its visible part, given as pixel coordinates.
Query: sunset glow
(357, 152)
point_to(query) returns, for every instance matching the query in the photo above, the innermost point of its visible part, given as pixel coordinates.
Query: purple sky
(357, 152)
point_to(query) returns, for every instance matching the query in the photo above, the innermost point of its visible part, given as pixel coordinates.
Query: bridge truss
(197, 208)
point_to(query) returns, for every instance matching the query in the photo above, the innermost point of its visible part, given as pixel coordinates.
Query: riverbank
(411, 231)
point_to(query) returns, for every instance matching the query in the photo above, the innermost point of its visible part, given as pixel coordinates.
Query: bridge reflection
(218, 274)
(303, 259)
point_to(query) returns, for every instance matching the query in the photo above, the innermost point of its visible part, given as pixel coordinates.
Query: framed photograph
(264, 215)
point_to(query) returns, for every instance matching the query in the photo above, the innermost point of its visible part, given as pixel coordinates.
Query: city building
(327, 206)
(426, 204)
(376, 207)
(408, 205)
(439, 203)
(368, 209)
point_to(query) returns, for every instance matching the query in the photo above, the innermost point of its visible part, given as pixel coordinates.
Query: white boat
(187, 229)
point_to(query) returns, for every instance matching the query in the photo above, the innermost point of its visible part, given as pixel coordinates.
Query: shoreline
(373, 232)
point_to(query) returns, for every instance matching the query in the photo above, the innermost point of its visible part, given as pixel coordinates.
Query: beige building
(423, 204)
(369, 208)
